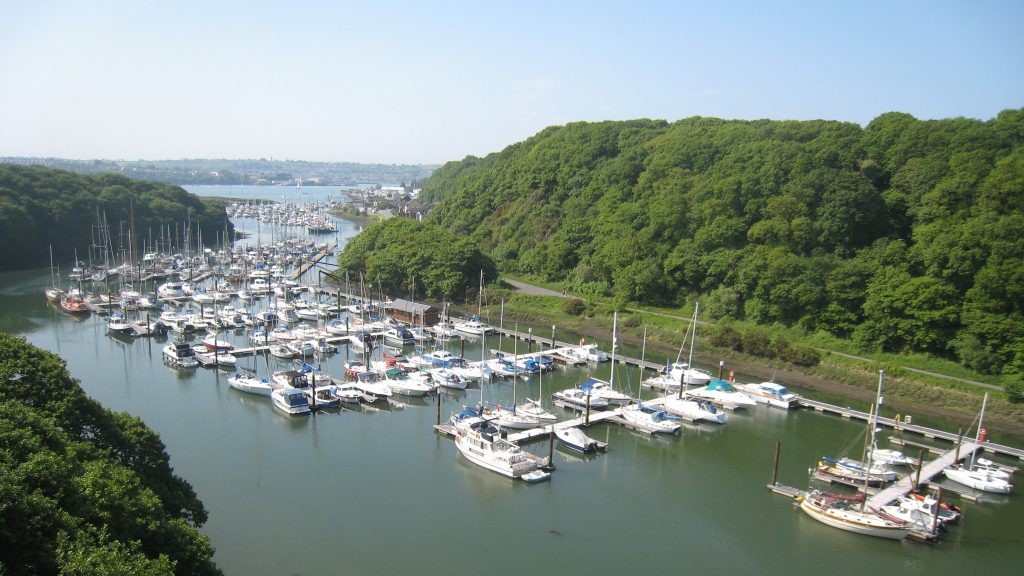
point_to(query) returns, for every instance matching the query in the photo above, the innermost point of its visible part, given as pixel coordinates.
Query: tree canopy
(393, 252)
(84, 490)
(40, 207)
(906, 235)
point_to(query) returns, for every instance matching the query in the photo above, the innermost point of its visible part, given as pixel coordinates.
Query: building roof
(409, 307)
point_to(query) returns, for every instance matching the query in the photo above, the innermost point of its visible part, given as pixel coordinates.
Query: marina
(245, 456)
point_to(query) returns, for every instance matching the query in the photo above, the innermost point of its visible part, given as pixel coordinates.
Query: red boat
(74, 304)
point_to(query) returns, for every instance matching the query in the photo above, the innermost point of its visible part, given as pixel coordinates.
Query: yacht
(577, 399)
(842, 512)
(656, 420)
(722, 391)
(170, 290)
(291, 400)
(695, 410)
(482, 444)
(246, 381)
(180, 355)
(602, 389)
(771, 394)
(574, 439)
(474, 327)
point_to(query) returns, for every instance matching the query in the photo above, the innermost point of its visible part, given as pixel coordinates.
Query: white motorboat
(586, 353)
(483, 444)
(291, 400)
(119, 324)
(370, 385)
(170, 290)
(842, 512)
(722, 391)
(336, 328)
(695, 410)
(578, 400)
(211, 343)
(474, 327)
(574, 439)
(246, 381)
(302, 348)
(399, 336)
(281, 351)
(400, 383)
(180, 355)
(347, 394)
(448, 378)
(602, 389)
(444, 331)
(657, 420)
(510, 418)
(771, 394)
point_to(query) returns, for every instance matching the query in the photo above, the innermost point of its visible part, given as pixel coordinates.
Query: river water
(378, 492)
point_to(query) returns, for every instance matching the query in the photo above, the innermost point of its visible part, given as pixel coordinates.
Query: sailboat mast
(643, 355)
(870, 451)
(615, 325)
(981, 421)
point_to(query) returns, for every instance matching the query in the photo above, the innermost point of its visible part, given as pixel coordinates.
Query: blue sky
(428, 82)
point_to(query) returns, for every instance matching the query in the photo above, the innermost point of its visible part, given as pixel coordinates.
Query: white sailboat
(843, 513)
(981, 478)
(657, 420)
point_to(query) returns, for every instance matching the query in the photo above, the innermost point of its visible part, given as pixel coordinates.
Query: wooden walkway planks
(929, 471)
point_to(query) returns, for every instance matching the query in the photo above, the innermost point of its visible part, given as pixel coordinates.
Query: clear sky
(432, 81)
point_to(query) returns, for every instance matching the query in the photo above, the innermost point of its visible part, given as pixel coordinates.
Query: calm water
(377, 492)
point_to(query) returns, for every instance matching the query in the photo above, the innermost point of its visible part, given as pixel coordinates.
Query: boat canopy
(395, 372)
(720, 385)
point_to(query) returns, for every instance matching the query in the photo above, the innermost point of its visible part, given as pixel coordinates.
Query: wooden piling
(775, 462)
(437, 395)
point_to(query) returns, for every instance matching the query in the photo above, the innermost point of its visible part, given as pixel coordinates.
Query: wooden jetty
(305, 266)
(933, 433)
(927, 472)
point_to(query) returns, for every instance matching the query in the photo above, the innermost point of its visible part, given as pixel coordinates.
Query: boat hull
(854, 522)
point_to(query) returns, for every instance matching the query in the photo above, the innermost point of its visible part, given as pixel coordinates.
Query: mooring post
(775, 462)
(938, 506)
(437, 394)
(959, 438)
(920, 463)
(586, 419)
(551, 444)
(721, 366)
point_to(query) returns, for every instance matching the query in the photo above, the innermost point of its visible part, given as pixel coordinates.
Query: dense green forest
(392, 253)
(40, 207)
(904, 235)
(84, 490)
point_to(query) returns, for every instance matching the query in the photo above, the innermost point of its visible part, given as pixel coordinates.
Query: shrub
(574, 306)
(758, 343)
(727, 337)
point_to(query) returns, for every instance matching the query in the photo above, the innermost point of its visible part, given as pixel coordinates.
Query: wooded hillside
(905, 235)
(40, 207)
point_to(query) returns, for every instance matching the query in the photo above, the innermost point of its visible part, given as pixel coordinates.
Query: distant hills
(232, 172)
